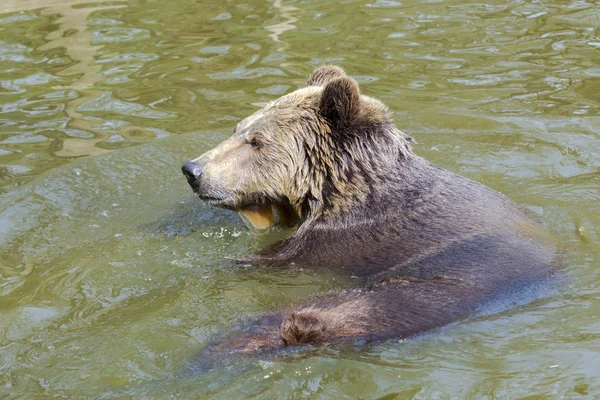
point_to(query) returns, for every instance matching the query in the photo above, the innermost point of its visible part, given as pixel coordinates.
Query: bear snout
(192, 172)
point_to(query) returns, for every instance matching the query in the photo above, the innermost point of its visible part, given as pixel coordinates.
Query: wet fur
(430, 247)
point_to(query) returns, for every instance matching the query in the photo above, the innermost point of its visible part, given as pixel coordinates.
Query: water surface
(112, 275)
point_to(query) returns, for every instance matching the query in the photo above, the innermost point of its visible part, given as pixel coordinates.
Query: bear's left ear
(340, 102)
(325, 73)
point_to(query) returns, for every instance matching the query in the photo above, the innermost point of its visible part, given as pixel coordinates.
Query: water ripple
(113, 275)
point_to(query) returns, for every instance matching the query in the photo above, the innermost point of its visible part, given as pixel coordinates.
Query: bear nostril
(192, 171)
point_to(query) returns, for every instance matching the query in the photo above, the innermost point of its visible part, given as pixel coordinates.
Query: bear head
(319, 150)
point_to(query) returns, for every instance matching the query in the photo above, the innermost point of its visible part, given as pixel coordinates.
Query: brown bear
(430, 246)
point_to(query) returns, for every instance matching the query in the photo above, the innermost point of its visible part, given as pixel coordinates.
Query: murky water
(112, 275)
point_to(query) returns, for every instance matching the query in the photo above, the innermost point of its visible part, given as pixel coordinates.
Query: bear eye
(254, 142)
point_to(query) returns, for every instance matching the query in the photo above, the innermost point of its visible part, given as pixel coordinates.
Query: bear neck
(390, 203)
(344, 171)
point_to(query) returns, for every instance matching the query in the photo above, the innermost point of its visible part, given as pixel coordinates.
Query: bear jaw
(258, 217)
(269, 214)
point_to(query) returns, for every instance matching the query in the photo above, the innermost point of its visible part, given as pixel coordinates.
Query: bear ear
(324, 74)
(340, 101)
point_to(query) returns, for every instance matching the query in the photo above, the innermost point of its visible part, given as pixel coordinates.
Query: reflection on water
(112, 275)
(280, 28)
(74, 37)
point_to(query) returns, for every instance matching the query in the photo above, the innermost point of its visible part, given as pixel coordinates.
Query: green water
(112, 275)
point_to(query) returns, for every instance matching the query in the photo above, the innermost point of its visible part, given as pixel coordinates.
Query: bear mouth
(259, 216)
(268, 214)
(215, 201)
(258, 212)
(214, 197)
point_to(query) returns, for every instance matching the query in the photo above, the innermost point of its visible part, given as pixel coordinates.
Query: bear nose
(192, 171)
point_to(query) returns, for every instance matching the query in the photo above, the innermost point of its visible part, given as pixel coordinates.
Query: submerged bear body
(430, 247)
